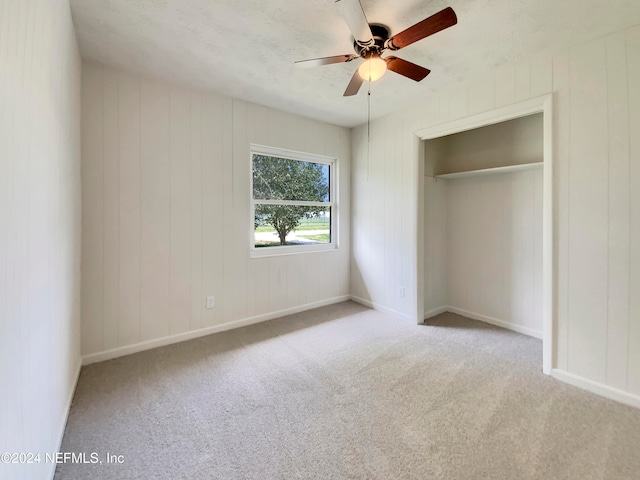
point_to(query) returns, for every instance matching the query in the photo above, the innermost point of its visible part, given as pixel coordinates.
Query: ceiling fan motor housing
(380, 37)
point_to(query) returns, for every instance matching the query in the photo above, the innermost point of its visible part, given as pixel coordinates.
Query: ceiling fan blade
(408, 69)
(317, 62)
(353, 15)
(354, 85)
(435, 23)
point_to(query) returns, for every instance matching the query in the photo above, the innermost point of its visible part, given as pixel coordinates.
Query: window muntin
(292, 200)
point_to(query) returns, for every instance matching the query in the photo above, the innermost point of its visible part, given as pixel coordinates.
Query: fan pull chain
(369, 128)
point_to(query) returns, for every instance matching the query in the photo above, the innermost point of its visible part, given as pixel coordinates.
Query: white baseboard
(597, 388)
(494, 321)
(65, 416)
(202, 332)
(381, 308)
(434, 311)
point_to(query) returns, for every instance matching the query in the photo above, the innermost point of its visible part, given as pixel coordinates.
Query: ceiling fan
(371, 40)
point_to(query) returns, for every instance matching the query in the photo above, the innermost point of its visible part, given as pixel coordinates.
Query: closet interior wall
(483, 231)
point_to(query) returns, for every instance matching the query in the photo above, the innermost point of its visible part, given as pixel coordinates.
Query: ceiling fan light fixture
(370, 40)
(372, 69)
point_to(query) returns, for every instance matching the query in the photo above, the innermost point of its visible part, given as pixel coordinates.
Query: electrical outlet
(211, 302)
(401, 292)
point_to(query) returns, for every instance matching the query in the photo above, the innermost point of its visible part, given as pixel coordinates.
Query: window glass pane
(277, 225)
(284, 179)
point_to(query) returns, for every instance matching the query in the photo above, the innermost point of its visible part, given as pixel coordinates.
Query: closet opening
(485, 220)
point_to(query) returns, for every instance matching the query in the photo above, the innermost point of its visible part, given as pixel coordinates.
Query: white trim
(292, 250)
(433, 312)
(491, 171)
(484, 119)
(290, 154)
(382, 308)
(65, 415)
(416, 236)
(202, 332)
(548, 320)
(294, 203)
(597, 388)
(495, 321)
(542, 104)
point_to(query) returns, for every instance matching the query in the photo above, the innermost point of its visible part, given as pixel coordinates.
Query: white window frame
(332, 203)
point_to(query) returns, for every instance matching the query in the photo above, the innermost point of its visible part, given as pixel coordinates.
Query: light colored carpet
(344, 392)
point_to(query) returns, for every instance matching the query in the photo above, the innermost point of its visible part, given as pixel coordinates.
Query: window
(293, 205)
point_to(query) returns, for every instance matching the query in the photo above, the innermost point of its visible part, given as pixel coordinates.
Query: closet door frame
(544, 105)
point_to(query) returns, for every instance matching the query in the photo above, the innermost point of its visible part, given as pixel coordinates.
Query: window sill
(290, 250)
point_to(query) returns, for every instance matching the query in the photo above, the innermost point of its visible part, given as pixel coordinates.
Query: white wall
(494, 248)
(596, 199)
(166, 214)
(39, 228)
(383, 214)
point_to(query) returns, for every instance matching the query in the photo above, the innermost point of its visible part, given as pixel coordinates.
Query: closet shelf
(491, 171)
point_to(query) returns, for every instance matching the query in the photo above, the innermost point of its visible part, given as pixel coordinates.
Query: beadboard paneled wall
(39, 229)
(166, 213)
(596, 247)
(383, 212)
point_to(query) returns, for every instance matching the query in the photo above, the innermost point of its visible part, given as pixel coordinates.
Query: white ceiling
(246, 49)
